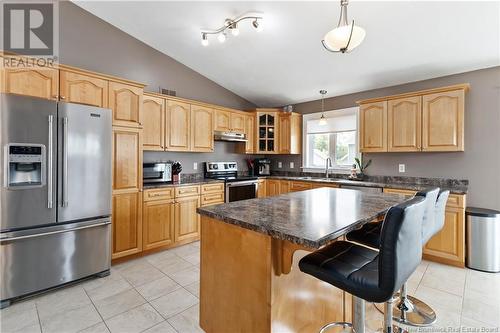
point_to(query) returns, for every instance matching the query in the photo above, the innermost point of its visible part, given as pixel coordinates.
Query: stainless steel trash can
(483, 239)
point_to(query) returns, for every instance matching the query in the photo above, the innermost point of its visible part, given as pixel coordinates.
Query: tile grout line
(97, 310)
(38, 316)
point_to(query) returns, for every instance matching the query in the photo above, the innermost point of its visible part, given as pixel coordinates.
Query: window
(336, 139)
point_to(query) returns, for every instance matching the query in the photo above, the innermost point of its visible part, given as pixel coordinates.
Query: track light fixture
(232, 26)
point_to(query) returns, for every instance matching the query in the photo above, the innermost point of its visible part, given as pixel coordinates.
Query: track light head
(257, 25)
(222, 37)
(204, 39)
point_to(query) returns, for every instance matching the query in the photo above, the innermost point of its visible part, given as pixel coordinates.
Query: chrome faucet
(328, 164)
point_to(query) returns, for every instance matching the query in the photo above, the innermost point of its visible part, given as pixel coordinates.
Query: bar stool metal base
(337, 324)
(411, 312)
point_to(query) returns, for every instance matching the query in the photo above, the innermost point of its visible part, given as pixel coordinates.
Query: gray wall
(223, 151)
(480, 163)
(90, 43)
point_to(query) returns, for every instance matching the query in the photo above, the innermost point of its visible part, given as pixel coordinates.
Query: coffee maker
(263, 166)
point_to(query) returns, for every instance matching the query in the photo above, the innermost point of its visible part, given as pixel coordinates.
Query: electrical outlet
(280, 165)
(195, 166)
(402, 168)
(292, 165)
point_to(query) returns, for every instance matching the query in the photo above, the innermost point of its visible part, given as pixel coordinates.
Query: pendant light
(322, 120)
(345, 37)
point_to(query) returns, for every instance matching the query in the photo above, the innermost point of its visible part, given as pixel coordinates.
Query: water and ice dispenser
(25, 165)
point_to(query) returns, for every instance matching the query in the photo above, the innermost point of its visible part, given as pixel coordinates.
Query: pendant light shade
(346, 36)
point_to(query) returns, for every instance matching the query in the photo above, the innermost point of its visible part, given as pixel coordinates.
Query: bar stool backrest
(428, 228)
(400, 244)
(440, 211)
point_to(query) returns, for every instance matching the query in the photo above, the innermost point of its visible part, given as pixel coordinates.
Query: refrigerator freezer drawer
(31, 262)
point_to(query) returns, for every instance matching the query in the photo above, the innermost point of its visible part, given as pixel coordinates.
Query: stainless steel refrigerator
(56, 194)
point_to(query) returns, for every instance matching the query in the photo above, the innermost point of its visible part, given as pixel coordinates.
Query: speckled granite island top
(311, 218)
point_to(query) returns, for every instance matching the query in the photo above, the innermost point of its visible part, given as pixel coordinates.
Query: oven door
(241, 190)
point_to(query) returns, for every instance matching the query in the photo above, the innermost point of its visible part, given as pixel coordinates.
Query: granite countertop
(183, 183)
(418, 186)
(311, 218)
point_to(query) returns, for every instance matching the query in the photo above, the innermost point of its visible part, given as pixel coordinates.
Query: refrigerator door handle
(11, 239)
(65, 163)
(49, 164)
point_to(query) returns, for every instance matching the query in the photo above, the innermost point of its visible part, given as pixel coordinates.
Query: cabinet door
(273, 187)
(42, 83)
(404, 126)
(447, 246)
(127, 224)
(153, 133)
(222, 120)
(262, 189)
(443, 121)
(373, 127)
(237, 122)
(250, 132)
(127, 158)
(284, 186)
(284, 133)
(202, 129)
(267, 132)
(83, 89)
(179, 126)
(126, 102)
(187, 221)
(158, 223)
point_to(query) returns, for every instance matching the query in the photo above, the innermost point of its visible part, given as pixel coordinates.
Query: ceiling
(405, 41)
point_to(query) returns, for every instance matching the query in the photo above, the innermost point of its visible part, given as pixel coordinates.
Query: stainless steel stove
(237, 187)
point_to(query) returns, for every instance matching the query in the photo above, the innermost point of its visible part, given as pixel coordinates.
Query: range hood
(229, 136)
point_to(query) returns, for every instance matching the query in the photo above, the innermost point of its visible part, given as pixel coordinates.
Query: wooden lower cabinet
(127, 224)
(273, 187)
(158, 223)
(300, 186)
(284, 186)
(448, 245)
(262, 188)
(187, 221)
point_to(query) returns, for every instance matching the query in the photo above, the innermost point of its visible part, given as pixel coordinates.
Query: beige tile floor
(159, 293)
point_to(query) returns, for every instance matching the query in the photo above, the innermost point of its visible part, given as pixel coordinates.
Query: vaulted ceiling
(405, 41)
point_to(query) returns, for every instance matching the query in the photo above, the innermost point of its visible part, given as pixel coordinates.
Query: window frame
(305, 139)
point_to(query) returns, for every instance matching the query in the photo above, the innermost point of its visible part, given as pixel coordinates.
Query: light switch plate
(402, 168)
(280, 165)
(292, 165)
(195, 166)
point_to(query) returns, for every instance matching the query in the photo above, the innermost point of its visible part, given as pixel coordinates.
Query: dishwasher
(363, 188)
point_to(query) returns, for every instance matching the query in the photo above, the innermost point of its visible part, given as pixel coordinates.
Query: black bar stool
(410, 310)
(370, 275)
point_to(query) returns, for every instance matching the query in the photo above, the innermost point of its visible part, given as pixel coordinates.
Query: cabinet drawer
(299, 186)
(211, 199)
(212, 188)
(159, 194)
(185, 191)
(399, 191)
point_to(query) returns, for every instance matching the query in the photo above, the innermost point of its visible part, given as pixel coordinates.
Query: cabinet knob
(62, 97)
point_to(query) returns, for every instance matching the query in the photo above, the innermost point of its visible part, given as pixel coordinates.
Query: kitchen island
(250, 281)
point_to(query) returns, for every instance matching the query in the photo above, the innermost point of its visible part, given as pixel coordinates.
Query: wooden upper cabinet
(404, 127)
(237, 122)
(187, 221)
(222, 120)
(153, 115)
(42, 83)
(126, 102)
(127, 224)
(127, 159)
(443, 121)
(284, 123)
(179, 126)
(250, 133)
(83, 89)
(158, 223)
(202, 129)
(373, 127)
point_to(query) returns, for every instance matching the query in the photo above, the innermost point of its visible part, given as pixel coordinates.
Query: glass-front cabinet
(267, 132)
